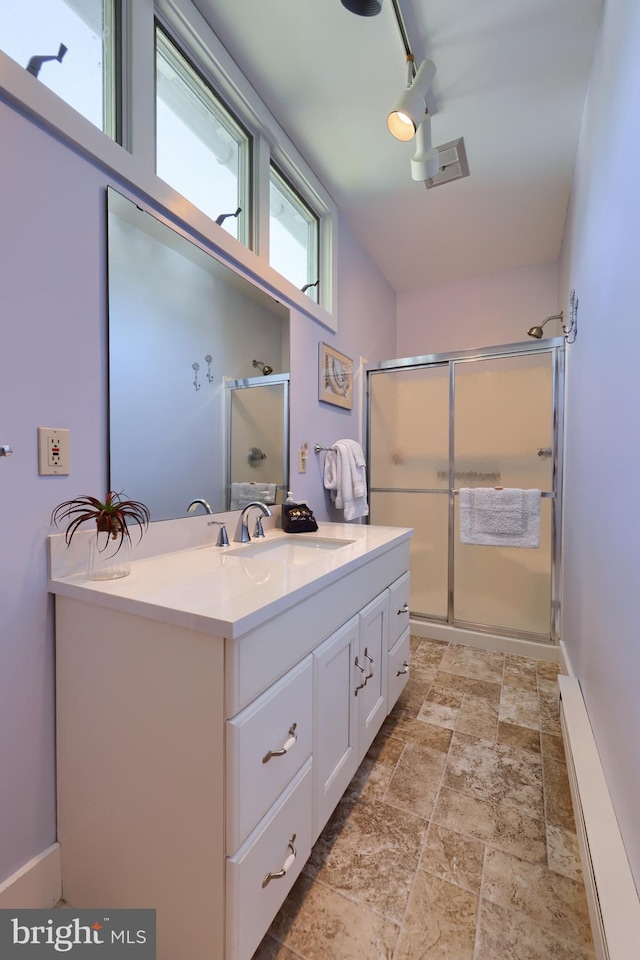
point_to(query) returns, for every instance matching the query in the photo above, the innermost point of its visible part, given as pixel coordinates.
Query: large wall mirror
(187, 336)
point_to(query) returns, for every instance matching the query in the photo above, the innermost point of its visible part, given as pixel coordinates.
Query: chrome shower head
(266, 369)
(537, 331)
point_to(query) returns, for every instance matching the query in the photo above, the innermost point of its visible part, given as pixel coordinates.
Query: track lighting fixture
(406, 117)
(425, 162)
(363, 8)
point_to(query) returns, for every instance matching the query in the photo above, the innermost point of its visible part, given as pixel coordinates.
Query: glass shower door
(409, 473)
(503, 436)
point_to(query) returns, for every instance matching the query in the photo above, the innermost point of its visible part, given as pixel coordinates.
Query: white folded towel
(345, 478)
(244, 493)
(496, 517)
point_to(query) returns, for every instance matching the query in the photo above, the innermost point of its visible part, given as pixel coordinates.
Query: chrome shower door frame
(554, 346)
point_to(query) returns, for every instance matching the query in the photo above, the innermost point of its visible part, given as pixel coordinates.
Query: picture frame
(335, 377)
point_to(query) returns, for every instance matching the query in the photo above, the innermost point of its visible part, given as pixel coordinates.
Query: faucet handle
(259, 532)
(223, 539)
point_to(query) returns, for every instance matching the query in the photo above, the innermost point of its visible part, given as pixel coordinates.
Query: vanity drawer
(252, 903)
(398, 668)
(257, 769)
(398, 608)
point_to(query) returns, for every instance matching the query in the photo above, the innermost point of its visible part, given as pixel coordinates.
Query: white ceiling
(511, 79)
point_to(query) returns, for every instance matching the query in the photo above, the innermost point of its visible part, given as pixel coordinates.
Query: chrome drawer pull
(370, 659)
(405, 669)
(286, 746)
(362, 670)
(404, 609)
(286, 866)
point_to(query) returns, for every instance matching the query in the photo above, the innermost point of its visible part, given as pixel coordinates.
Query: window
(293, 236)
(71, 46)
(201, 150)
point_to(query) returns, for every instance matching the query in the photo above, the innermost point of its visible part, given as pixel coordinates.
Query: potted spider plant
(109, 550)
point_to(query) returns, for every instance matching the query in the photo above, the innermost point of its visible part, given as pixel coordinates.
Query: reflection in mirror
(181, 323)
(258, 428)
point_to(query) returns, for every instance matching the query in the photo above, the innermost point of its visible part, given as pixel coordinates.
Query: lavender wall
(53, 337)
(601, 568)
(492, 309)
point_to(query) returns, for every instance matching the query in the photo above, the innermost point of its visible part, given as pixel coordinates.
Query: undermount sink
(294, 550)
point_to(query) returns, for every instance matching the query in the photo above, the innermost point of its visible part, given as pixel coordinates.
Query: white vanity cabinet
(198, 759)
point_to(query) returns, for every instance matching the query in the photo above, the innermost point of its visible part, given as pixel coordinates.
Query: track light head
(363, 8)
(406, 117)
(425, 162)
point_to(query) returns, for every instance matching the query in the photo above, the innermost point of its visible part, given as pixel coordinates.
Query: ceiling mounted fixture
(363, 8)
(407, 115)
(425, 163)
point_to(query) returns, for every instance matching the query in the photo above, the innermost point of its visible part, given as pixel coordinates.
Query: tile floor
(456, 839)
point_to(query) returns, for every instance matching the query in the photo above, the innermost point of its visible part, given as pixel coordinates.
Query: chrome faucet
(223, 539)
(194, 503)
(242, 530)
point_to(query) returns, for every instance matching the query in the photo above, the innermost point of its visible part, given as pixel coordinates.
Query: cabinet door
(398, 608)
(371, 670)
(398, 668)
(335, 755)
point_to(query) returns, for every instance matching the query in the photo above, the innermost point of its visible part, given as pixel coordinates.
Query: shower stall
(481, 418)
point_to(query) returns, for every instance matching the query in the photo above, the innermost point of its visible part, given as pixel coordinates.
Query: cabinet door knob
(405, 669)
(286, 746)
(286, 866)
(403, 609)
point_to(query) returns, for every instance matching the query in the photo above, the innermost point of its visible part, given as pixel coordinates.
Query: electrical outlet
(53, 452)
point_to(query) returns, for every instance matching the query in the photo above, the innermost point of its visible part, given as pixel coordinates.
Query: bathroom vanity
(212, 707)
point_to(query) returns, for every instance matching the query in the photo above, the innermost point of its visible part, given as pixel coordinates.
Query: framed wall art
(335, 377)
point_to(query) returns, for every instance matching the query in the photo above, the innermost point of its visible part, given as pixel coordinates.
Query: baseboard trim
(564, 661)
(614, 904)
(485, 641)
(36, 885)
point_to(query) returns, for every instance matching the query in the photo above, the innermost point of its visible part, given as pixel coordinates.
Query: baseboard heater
(614, 906)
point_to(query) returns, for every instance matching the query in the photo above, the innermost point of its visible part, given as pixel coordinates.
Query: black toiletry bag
(298, 518)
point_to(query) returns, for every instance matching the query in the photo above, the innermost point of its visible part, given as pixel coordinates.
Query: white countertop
(219, 591)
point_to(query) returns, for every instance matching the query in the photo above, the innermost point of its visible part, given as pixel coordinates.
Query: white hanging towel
(345, 478)
(500, 517)
(244, 493)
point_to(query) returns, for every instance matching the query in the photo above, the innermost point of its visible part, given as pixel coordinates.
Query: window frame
(225, 117)
(296, 199)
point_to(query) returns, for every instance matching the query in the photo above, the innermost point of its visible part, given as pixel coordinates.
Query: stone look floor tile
(495, 823)
(371, 780)
(370, 855)
(557, 795)
(411, 699)
(494, 771)
(440, 922)
(319, 924)
(519, 673)
(546, 897)
(520, 707)
(453, 857)
(478, 717)
(473, 663)
(454, 683)
(474, 744)
(386, 749)
(524, 738)
(547, 670)
(441, 714)
(417, 731)
(270, 949)
(552, 747)
(416, 779)
(505, 935)
(563, 853)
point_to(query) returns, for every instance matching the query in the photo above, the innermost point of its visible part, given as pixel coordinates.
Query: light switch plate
(53, 452)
